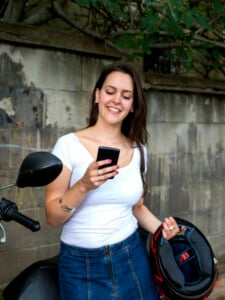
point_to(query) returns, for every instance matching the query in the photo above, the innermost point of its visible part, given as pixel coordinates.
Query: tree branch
(205, 40)
(14, 11)
(42, 15)
(202, 30)
(58, 10)
(3, 6)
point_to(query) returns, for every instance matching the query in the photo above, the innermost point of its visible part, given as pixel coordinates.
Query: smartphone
(108, 153)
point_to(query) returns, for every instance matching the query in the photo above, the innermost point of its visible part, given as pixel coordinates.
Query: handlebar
(9, 212)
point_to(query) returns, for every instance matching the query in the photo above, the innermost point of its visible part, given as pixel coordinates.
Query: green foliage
(177, 35)
(181, 29)
(82, 3)
(149, 22)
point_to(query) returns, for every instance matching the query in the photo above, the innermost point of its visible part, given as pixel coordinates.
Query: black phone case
(108, 153)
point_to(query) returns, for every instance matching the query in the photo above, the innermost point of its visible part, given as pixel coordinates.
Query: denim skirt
(120, 271)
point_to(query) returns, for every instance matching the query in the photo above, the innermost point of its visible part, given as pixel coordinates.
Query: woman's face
(115, 99)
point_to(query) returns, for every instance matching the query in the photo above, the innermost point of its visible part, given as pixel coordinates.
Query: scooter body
(40, 280)
(37, 282)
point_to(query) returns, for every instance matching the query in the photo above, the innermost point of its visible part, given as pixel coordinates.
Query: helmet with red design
(184, 267)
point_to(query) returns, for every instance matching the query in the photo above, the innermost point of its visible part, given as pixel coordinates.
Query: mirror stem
(7, 186)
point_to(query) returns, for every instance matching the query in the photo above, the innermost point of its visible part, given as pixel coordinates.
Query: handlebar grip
(23, 220)
(9, 212)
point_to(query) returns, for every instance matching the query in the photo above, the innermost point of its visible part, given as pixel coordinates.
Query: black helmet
(184, 267)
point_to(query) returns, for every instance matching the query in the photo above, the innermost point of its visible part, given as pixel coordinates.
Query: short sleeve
(61, 151)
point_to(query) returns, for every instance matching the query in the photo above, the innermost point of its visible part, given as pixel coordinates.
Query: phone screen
(108, 153)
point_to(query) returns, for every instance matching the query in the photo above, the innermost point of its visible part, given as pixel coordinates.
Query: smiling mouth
(113, 109)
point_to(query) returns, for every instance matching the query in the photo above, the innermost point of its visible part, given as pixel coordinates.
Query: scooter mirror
(38, 169)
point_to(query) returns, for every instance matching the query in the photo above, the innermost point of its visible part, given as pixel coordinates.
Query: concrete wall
(187, 160)
(44, 93)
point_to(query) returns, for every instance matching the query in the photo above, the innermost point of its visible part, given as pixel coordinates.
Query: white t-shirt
(105, 215)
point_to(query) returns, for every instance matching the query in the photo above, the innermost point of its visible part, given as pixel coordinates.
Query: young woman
(101, 254)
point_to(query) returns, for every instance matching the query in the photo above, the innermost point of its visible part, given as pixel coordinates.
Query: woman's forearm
(61, 206)
(151, 223)
(146, 219)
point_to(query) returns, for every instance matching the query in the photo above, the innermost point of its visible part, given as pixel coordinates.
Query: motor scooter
(40, 280)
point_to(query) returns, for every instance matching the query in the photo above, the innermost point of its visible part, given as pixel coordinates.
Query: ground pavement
(219, 291)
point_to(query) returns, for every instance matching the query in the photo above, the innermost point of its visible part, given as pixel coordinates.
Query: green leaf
(115, 8)
(202, 20)
(217, 6)
(149, 22)
(83, 2)
(172, 28)
(128, 41)
(188, 19)
(175, 8)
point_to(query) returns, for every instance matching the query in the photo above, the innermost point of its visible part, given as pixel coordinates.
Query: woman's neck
(108, 134)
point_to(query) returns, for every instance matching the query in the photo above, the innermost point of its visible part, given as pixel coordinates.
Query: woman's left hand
(170, 228)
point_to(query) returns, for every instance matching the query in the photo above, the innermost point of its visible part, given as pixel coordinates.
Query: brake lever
(3, 238)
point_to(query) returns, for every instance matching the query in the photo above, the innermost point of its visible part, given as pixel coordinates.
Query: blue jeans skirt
(120, 271)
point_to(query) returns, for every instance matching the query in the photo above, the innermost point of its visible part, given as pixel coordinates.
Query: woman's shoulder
(71, 136)
(138, 146)
(141, 153)
(66, 141)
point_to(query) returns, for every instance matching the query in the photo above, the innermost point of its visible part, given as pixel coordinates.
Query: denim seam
(88, 278)
(134, 274)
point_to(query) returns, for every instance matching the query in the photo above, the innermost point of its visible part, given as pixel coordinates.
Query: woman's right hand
(74, 196)
(94, 177)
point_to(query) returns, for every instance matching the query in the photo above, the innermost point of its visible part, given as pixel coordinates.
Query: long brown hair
(134, 125)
